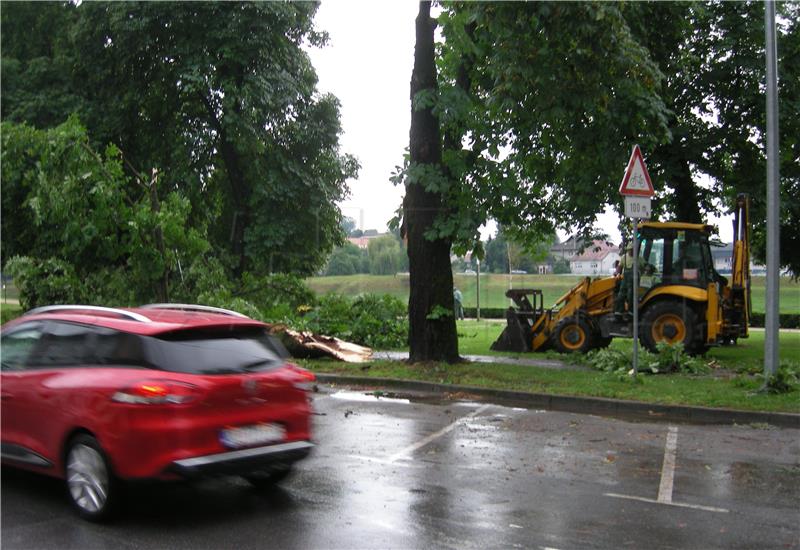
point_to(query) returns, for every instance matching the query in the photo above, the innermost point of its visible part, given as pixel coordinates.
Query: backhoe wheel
(572, 334)
(602, 342)
(671, 322)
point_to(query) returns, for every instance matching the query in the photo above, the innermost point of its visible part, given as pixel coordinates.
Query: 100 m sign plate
(637, 207)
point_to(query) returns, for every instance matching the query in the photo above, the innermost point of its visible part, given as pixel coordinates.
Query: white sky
(367, 64)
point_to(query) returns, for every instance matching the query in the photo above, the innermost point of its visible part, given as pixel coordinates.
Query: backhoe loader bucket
(516, 336)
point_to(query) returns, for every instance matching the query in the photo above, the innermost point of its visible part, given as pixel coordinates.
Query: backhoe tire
(573, 334)
(600, 342)
(672, 322)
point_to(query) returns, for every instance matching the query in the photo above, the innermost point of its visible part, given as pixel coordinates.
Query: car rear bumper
(243, 460)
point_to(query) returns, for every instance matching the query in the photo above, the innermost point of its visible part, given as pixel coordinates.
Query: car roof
(145, 320)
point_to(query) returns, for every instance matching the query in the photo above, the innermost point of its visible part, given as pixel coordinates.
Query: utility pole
(771, 356)
(478, 291)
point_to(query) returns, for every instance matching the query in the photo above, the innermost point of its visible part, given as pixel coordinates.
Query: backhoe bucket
(517, 334)
(515, 337)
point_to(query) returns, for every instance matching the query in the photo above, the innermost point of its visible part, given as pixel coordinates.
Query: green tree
(562, 89)
(347, 259)
(74, 223)
(37, 86)
(220, 97)
(386, 255)
(432, 327)
(713, 56)
(734, 77)
(504, 248)
(348, 225)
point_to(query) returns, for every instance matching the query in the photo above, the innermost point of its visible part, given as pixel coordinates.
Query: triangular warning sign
(637, 179)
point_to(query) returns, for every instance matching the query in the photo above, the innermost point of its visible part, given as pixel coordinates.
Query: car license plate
(247, 436)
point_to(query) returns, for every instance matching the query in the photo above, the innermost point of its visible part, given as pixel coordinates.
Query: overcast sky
(367, 65)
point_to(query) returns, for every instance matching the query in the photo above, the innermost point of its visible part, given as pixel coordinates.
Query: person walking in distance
(457, 303)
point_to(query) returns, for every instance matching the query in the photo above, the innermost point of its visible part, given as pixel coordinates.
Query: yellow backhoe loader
(682, 298)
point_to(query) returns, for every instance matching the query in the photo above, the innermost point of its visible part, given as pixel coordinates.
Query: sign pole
(478, 292)
(635, 300)
(771, 349)
(637, 189)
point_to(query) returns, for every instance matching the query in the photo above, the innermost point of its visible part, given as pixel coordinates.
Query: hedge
(787, 320)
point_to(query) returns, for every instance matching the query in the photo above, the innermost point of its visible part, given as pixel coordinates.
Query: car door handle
(5, 396)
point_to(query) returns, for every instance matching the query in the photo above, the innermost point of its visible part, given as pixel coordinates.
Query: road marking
(422, 442)
(668, 479)
(668, 467)
(385, 462)
(678, 504)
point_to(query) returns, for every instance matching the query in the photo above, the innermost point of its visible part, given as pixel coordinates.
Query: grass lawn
(8, 311)
(735, 389)
(474, 338)
(732, 383)
(493, 287)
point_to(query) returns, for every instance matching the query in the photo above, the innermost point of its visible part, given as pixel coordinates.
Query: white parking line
(405, 453)
(678, 504)
(668, 467)
(668, 479)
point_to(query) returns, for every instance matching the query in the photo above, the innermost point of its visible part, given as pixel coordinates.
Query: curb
(600, 406)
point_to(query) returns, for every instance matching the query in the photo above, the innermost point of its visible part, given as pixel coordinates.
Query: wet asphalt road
(426, 473)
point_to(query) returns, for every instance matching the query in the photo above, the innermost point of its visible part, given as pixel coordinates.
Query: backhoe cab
(682, 298)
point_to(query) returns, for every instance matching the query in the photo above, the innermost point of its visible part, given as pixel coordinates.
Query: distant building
(723, 258)
(567, 249)
(597, 259)
(362, 242)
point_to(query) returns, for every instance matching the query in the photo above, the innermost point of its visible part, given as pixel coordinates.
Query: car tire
(91, 486)
(268, 478)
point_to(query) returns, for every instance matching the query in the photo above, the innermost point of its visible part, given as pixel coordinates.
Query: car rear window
(215, 351)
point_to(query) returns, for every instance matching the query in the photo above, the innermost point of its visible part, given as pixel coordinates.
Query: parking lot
(424, 471)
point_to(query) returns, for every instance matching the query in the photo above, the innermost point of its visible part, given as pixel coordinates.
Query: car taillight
(157, 392)
(305, 380)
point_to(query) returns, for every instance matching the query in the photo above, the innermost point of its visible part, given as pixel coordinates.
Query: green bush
(786, 380)
(9, 313)
(486, 312)
(277, 294)
(673, 358)
(669, 358)
(44, 282)
(376, 321)
(785, 320)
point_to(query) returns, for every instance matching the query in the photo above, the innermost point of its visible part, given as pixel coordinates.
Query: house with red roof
(596, 259)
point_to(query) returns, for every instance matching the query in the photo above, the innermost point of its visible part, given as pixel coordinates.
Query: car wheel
(268, 478)
(90, 483)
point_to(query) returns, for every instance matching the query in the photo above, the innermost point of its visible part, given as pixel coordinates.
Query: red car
(166, 391)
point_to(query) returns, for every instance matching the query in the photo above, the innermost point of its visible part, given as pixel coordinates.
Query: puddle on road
(368, 397)
(406, 398)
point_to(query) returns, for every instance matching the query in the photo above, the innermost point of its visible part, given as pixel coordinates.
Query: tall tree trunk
(432, 330)
(240, 193)
(685, 199)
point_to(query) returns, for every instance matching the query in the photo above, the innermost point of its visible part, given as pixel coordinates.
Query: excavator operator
(625, 292)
